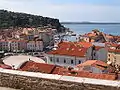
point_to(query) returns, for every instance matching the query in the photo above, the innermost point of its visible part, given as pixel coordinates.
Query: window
(79, 62)
(71, 61)
(64, 61)
(51, 59)
(57, 59)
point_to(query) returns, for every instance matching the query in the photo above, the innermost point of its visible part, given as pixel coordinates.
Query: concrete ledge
(79, 80)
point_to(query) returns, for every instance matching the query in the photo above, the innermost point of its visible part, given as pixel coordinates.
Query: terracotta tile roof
(109, 36)
(13, 40)
(90, 34)
(112, 44)
(114, 50)
(64, 71)
(5, 66)
(28, 29)
(40, 67)
(3, 41)
(95, 63)
(18, 41)
(85, 44)
(98, 47)
(69, 49)
(97, 76)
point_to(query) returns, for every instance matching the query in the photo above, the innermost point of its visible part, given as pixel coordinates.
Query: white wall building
(31, 45)
(35, 46)
(47, 38)
(17, 61)
(67, 54)
(64, 60)
(14, 45)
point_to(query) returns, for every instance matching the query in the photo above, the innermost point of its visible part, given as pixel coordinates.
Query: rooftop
(86, 74)
(70, 49)
(5, 66)
(17, 61)
(40, 67)
(114, 50)
(95, 63)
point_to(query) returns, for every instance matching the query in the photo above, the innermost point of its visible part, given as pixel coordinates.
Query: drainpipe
(75, 60)
(53, 61)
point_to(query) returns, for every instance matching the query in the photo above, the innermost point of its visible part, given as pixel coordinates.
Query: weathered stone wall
(26, 82)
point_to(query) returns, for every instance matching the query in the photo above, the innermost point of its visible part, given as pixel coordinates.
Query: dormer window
(73, 49)
(79, 49)
(67, 48)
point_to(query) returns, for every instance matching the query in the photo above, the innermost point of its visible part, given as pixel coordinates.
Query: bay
(113, 29)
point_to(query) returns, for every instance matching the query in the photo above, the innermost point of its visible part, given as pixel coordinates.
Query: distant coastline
(89, 23)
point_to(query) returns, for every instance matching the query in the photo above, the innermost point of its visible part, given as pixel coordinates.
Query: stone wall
(38, 81)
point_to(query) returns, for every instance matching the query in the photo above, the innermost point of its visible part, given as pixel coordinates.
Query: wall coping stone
(63, 78)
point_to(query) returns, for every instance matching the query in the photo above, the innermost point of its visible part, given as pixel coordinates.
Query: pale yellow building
(114, 56)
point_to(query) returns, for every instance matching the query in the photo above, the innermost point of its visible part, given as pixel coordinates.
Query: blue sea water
(113, 29)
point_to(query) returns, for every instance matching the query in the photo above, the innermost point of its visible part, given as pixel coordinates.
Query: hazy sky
(68, 10)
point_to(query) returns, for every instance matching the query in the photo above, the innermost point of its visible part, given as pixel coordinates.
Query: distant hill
(88, 23)
(13, 19)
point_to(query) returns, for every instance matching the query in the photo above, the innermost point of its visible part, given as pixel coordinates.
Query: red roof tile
(114, 50)
(70, 49)
(98, 47)
(5, 66)
(95, 63)
(112, 44)
(90, 34)
(39, 67)
(85, 44)
(63, 71)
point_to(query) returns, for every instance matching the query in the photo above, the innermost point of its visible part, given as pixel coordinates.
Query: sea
(80, 29)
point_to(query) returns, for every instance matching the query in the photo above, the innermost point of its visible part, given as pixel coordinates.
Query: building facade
(4, 45)
(114, 56)
(35, 46)
(97, 53)
(67, 54)
(22, 45)
(93, 66)
(14, 45)
(64, 60)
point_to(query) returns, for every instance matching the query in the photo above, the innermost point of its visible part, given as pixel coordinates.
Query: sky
(68, 10)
